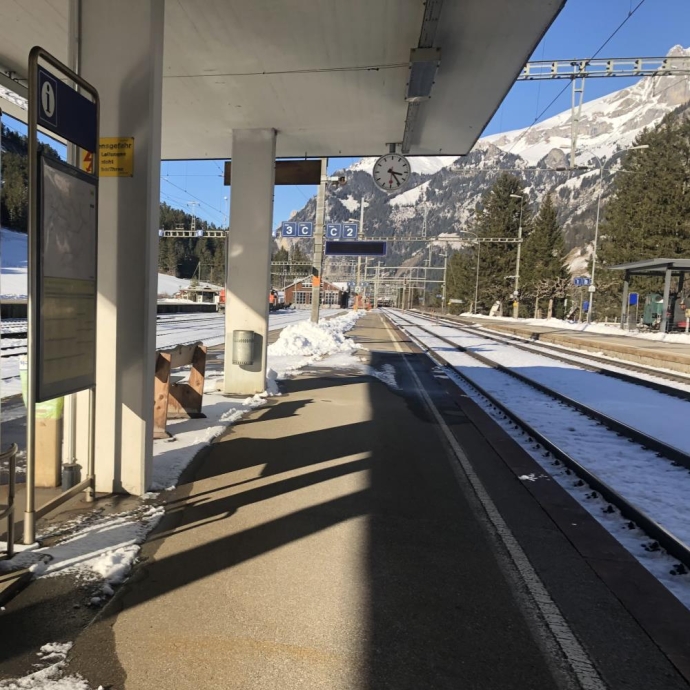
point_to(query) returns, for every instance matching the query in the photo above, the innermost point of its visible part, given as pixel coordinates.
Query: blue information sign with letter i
(65, 112)
(288, 229)
(334, 231)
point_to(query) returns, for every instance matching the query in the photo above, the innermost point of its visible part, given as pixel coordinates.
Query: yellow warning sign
(87, 161)
(116, 156)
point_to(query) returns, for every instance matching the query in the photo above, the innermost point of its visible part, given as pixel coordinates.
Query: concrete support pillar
(625, 300)
(247, 282)
(667, 296)
(122, 56)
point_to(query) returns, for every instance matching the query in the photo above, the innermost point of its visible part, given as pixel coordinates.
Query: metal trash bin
(243, 347)
(71, 475)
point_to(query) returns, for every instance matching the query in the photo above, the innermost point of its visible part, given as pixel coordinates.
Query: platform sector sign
(290, 229)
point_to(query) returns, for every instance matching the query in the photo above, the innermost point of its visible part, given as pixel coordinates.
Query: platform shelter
(657, 268)
(251, 82)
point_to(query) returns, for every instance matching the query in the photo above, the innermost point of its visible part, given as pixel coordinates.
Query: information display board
(66, 327)
(368, 248)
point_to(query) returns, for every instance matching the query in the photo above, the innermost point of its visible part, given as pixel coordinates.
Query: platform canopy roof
(654, 266)
(329, 75)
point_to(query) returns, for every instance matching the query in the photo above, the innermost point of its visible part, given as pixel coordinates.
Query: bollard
(243, 347)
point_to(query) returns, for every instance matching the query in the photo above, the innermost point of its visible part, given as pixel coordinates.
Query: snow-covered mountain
(450, 188)
(605, 123)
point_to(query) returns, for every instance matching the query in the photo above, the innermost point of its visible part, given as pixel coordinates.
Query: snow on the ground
(50, 677)
(102, 550)
(209, 328)
(386, 374)
(596, 327)
(171, 456)
(637, 542)
(348, 361)
(301, 344)
(652, 412)
(653, 484)
(13, 268)
(13, 264)
(615, 364)
(171, 330)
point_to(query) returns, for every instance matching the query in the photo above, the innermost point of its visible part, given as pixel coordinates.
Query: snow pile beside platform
(170, 457)
(308, 339)
(102, 550)
(302, 344)
(50, 677)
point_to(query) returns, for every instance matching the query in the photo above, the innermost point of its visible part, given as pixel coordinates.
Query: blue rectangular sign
(66, 112)
(334, 231)
(581, 281)
(633, 298)
(368, 248)
(305, 229)
(350, 231)
(288, 229)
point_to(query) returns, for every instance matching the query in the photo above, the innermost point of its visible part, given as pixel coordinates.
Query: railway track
(599, 364)
(550, 442)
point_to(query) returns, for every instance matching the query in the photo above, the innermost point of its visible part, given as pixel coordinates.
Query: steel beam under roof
(329, 76)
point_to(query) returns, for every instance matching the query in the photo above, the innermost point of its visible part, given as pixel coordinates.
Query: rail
(579, 359)
(10, 455)
(668, 451)
(674, 546)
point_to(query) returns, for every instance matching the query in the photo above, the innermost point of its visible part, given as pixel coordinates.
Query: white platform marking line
(577, 658)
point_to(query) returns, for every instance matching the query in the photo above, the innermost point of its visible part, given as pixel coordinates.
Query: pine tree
(649, 214)
(542, 270)
(298, 256)
(499, 216)
(460, 279)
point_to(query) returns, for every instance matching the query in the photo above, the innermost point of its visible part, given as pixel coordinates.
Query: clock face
(391, 172)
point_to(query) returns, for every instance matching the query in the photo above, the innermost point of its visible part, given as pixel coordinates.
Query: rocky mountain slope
(449, 188)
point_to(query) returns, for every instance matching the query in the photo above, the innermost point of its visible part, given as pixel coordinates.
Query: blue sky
(578, 32)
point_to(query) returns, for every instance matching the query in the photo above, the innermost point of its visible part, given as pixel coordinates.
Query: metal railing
(8, 512)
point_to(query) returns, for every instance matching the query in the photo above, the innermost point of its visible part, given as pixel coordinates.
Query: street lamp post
(444, 289)
(602, 168)
(516, 291)
(317, 261)
(477, 241)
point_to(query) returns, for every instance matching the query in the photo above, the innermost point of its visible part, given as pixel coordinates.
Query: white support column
(122, 56)
(247, 282)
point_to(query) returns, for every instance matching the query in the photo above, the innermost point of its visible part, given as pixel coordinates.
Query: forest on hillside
(180, 257)
(647, 216)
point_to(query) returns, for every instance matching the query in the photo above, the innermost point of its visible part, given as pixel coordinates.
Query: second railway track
(666, 535)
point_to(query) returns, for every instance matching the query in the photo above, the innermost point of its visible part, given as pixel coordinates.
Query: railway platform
(653, 353)
(369, 529)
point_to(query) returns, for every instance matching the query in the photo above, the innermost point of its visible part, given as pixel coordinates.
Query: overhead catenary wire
(213, 208)
(562, 91)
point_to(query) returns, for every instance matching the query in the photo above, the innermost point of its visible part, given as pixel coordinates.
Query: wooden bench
(178, 400)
